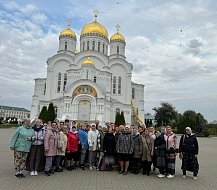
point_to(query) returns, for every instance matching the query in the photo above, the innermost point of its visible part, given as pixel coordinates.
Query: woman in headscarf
(188, 151)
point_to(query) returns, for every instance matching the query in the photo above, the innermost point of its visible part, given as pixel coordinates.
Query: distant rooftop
(14, 108)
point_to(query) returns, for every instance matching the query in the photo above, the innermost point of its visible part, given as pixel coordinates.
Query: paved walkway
(93, 180)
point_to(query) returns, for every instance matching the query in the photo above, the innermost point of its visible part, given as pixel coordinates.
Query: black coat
(160, 146)
(109, 144)
(188, 144)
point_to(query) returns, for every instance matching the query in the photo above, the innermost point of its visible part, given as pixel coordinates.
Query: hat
(188, 129)
(104, 126)
(93, 124)
(127, 126)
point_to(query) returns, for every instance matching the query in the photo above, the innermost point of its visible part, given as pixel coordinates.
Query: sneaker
(184, 176)
(120, 172)
(160, 175)
(124, 173)
(36, 173)
(32, 173)
(170, 176)
(90, 167)
(22, 175)
(194, 178)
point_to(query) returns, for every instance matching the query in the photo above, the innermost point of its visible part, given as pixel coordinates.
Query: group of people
(58, 145)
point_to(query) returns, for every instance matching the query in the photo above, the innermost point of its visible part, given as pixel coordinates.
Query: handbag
(103, 165)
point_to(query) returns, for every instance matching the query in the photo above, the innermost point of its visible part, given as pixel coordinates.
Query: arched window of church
(94, 79)
(98, 46)
(59, 82)
(119, 85)
(133, 93)
(64, 81)
(44, 88)
(118, 50)
(55, 111)
(103, 48)
(65, 45)
(93, 45)
(114, 85)
(83, 45)
(88, 45)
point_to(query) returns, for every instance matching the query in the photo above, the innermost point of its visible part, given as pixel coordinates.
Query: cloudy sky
(172, 45)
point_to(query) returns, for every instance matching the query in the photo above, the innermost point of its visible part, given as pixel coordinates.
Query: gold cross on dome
(118, 28)
(95, 13)
(68, 22)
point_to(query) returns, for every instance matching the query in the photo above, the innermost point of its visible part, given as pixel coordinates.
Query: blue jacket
(19, 140)
(82, 135)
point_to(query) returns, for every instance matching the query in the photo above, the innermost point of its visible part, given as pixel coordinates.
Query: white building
(91, 83)
(8, 111)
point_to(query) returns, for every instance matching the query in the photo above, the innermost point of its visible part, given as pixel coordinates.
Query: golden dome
(94, 28)
(68, 32)
(117, 37)
(88, 61)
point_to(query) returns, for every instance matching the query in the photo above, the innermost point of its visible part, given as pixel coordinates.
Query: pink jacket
(51, 142)
(171, 141)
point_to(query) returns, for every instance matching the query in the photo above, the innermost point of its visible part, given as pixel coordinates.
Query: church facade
(93, 83)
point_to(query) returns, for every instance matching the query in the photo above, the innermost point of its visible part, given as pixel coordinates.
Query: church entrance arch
(84, 103)
(84, 110)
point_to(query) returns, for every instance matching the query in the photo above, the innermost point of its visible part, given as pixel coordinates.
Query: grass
(6, 126)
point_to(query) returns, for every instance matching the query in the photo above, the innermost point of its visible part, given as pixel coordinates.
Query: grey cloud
(194, 47)
(189, 73)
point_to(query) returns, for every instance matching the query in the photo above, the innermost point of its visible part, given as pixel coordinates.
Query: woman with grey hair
(20, 144)
(188, 151)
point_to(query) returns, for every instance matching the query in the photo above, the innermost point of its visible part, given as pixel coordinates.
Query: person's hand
(12, 148)
(29, 138)
(68, 152)
(180, 155)
(91, 147)
(46, 149)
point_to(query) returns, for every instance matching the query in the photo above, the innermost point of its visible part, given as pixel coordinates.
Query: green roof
(13, 108)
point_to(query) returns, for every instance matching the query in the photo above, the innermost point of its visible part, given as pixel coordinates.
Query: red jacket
(72, 142)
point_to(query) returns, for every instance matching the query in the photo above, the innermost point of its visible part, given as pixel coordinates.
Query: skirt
(190, 163)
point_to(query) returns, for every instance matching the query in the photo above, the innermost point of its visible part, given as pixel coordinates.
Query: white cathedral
(93, 83)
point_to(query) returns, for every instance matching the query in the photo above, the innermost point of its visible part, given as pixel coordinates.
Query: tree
(118, 119)
(44, 114)
(51, 113)
(122, 118)
(191, 119)
(165, 114)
